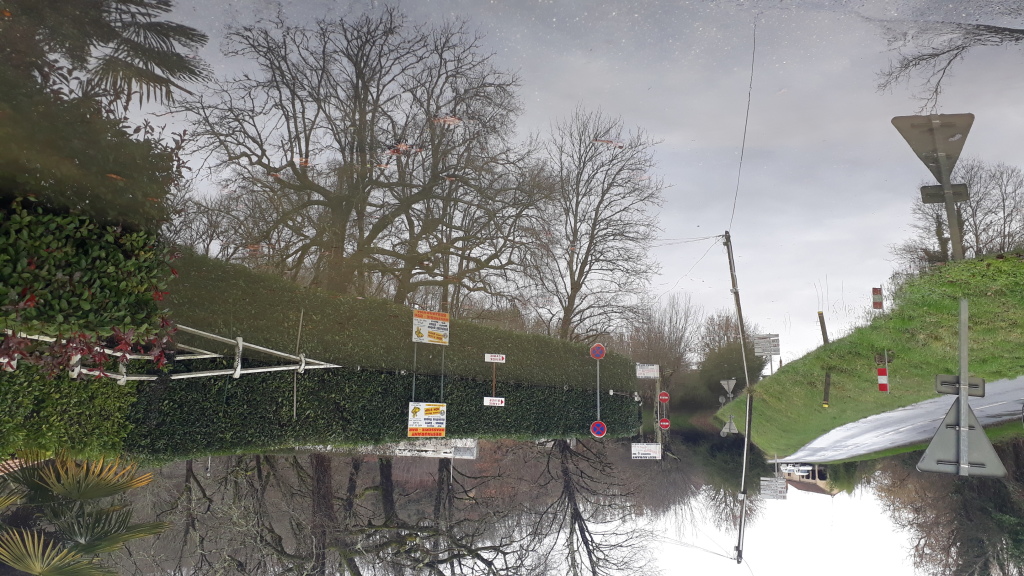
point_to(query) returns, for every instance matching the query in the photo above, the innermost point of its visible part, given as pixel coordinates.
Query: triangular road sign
(936, 134)
(730, 427)
(943, 453)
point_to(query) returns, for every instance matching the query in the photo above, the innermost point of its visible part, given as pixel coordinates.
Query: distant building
(809, 478)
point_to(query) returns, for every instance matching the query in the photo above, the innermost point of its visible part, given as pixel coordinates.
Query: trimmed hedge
(182, 418)
(231, 300)
(87, 417)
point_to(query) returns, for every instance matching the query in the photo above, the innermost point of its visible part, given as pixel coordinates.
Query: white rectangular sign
(499, 358)
(427, 420)
(648, 371)
(766, 344)
(646, 451)
(430, 327)
(492, 401)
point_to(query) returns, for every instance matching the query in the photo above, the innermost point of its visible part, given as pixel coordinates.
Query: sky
(826, 184)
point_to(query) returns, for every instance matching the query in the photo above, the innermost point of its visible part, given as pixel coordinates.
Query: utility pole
(750, 400)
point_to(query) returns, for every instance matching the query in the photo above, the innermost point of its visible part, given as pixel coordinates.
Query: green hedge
(180, 418)
(62, 274)
(87, 417)
(231, 300)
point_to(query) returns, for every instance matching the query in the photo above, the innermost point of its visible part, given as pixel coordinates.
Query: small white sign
(646, 451)
(499, 358)
(492, 401)
(647, 371)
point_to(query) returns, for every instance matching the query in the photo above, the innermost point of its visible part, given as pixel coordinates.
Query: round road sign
(598, 429)
(663, 423)
(663, 397)
(597, 351)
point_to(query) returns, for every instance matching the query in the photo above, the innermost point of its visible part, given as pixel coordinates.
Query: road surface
(913, 424)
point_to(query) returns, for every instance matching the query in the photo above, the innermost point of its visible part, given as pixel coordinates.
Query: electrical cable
(694, 265)
(746, 122)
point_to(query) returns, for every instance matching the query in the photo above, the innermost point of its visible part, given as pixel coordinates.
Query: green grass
(920, 334)
(231, 300)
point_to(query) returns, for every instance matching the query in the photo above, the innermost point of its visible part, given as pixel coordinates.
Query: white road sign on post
(430, 327)
(499, 358)
(766, 344)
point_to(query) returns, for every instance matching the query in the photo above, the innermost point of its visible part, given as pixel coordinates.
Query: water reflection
(551, 507)
(556, 507)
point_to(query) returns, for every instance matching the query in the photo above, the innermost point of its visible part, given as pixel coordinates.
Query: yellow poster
(430, 327)
(427, 420)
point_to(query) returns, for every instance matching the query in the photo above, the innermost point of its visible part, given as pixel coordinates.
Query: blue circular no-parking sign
(598, 429)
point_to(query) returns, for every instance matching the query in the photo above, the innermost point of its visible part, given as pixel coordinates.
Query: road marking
(991, 405)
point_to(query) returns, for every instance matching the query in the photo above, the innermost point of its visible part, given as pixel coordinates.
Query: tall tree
(592, 252)
(390, 142)
(991, 219)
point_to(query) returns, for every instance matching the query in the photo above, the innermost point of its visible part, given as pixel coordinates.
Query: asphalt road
(913, 424)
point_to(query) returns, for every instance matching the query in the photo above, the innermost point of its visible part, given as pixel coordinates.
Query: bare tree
(928, 51)
(991, 220)
(591, 258)
(383, 149)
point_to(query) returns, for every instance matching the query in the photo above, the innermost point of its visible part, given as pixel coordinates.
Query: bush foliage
(179, 418)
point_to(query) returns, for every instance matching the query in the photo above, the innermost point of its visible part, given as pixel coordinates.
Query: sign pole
(414, 371)
(598, 389)
(494, 379)
(964, 469)
(442, 374)
(657, 406)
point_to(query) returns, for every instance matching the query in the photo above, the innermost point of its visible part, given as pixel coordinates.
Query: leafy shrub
(180, 418)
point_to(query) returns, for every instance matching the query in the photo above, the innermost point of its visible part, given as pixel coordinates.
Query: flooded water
(566, 508)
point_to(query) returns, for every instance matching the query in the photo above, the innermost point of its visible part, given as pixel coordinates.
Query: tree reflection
(927, 52)
(561, 507)
(958, 526)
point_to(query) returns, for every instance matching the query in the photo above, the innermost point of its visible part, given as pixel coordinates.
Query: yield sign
(943, 454)
(937, 139)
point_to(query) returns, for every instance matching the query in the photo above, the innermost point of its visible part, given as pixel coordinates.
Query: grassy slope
(231, 300)
(921, 336)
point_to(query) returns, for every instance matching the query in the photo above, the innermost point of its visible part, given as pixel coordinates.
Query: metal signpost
(938, 139)
(429, 328)
(653, 371)
(597, 352)
(960, 446)
(729, 428)
(494, 359)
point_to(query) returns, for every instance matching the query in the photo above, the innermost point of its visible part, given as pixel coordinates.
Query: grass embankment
(231, 300)
(921, 336)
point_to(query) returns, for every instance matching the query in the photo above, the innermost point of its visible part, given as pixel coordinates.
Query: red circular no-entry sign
(663, 397)
(663, 423)
(598, 429)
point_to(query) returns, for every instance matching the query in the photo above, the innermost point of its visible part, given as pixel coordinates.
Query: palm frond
(29, 552)
(10, 493)
(89, 480)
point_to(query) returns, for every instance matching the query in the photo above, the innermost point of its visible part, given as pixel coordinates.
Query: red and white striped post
(876, 298)
(883, 375)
